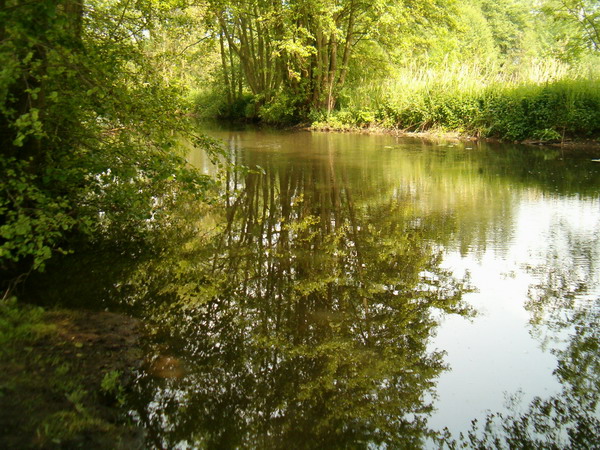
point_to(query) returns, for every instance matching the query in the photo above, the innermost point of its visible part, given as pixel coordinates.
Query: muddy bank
(64, 377)
(585, 146)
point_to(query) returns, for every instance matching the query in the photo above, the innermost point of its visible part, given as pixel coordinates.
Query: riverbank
(564, 112)
(550, 113)
(63, 378)
(591, 146)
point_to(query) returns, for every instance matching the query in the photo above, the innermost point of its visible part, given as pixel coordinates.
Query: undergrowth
(546, 112)
(542, 102)
(545, 101)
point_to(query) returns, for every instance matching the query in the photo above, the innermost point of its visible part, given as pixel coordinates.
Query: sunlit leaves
(91, 123)
(34, 223)
(583, 15)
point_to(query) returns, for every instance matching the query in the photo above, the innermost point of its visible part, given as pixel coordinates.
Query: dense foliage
(307, 309)
(88, 127)
(90, 92)
(297, 54)
(549, 112)
(343, 64)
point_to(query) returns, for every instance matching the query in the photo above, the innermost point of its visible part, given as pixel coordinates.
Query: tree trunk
(225, 71)
(332, 75)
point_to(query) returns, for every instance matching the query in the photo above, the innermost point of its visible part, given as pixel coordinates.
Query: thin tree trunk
(347, 46)
(224, 67)
(331, 78)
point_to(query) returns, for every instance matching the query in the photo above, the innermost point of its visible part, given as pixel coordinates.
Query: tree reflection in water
(303, 320)
(300, 315)
(565, 314)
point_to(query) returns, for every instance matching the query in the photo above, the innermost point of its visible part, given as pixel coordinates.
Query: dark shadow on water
(299, 314)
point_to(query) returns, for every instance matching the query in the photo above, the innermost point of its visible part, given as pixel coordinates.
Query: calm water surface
(370, 291)
(445, 281)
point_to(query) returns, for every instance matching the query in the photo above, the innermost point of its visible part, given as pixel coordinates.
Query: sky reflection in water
(361, 291)
(521, 222)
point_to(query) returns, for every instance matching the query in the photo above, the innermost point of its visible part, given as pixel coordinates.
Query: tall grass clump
(546, 101)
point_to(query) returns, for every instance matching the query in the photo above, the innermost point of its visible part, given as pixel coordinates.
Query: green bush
(283, 109)
(547, 112)
(89, 131)
(33, 221)
(208, 104)
(213, 105)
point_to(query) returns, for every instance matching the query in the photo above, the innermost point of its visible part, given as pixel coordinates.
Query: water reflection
(304, 320)
(564, 307)
(304, 311)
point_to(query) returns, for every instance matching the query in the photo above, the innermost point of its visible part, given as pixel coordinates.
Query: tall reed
(545, 100)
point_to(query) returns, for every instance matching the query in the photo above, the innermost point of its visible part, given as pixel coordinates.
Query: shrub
(282, 109)
(478, 102)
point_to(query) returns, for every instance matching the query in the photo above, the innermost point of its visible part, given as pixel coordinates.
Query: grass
(543, 102)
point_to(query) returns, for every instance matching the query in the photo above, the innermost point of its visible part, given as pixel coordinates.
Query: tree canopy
(88, 128)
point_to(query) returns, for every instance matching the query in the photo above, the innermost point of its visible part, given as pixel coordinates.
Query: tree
(88, 127)
(583, 14)
(303, 48)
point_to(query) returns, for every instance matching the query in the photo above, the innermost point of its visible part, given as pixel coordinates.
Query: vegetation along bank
(503, 69)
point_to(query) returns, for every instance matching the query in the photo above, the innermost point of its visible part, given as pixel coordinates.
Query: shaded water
(360, 291)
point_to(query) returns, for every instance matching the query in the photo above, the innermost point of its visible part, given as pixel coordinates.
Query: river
(370, 291)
